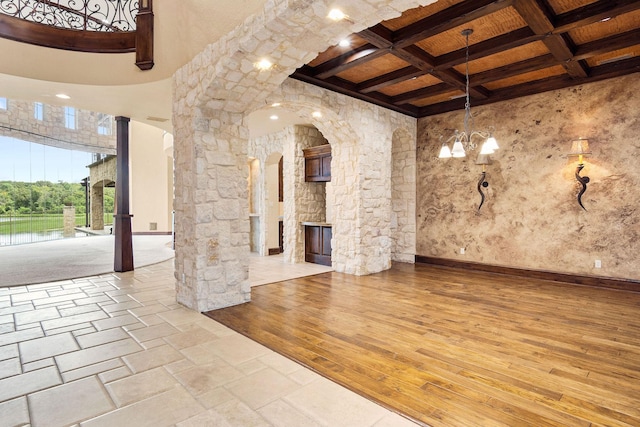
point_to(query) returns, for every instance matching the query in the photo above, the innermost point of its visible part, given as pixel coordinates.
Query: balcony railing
(97, 26)
(87, 15)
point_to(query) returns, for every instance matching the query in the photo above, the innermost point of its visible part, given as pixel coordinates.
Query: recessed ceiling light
(336, 15)
(344, 43)
(263, 65)
(273, 117)
(63, 96)
(316, 114)
(275, 104)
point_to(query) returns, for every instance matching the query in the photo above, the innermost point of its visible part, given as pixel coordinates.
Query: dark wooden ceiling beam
(609, 44)
(447, 19)
(593, 13)
(389, 79)
(339, 85)
(599, 73)
(421, 93)
(378, 35)
(540, 19)
(348, 60)
(492, 46)
(510, 70)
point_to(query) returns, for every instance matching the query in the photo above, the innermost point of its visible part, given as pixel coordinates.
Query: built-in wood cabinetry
(317, 163)
(317, 243)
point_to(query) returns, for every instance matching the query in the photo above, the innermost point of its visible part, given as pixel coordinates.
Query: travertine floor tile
(114, 322)
(229, 414)
(153, 332)
(14, 412)
(394, 420)
(28, 296)
(140, 386)
(281, 414)
(36, 315)
(333, 405)
(193, 336)
(165, 409)
(29, 382)
(100, 353)
(186, 370)
(10, 367)
(8, 351)
(69, 403)
(251, 389)
(152, 358)
(76, 319)
(91, 370)
(114, 374)
(236, 349)
(102, 337)
(180, 316)
(78, 309)
(41, 348)
(22, 335)
(200, 379)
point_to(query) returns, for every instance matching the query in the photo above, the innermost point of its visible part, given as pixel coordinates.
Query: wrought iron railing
(87, 15)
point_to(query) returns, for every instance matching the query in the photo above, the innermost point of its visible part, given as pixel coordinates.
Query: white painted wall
(151, 179)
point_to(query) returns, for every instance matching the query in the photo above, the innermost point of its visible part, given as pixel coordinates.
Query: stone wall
(262, 148)
(214, 92)
(101, 174)
(18, 121)
(531, 218)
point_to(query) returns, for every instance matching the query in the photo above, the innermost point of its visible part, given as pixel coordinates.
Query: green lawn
(34, 223)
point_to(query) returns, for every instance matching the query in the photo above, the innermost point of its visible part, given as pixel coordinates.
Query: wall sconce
(580, 148)
(484, 160)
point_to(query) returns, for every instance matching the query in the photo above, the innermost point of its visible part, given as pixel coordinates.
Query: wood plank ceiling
(415, 64)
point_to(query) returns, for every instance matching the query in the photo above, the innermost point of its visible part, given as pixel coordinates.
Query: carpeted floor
(71, 258)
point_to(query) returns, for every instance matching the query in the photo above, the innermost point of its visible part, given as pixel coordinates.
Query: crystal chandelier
(467, 140)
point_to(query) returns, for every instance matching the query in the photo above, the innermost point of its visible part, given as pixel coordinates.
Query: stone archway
(101, 174)
(212, 94)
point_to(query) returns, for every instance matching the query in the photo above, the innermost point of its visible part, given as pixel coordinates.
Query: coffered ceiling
(415, 63)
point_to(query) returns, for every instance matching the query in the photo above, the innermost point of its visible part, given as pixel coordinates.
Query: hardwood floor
(448, 347)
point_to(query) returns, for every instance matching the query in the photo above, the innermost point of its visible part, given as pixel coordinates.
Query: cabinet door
(326, 241)
(326, 167)
(313, 169)
(313, 240)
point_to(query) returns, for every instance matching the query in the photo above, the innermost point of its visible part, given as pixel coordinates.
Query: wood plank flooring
(448, 347)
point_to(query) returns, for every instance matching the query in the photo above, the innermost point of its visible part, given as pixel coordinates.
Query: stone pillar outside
(97, 207)
(212, 210)
(69, 221)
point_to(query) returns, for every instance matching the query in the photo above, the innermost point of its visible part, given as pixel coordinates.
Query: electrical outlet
(462, 251)
(598, 264)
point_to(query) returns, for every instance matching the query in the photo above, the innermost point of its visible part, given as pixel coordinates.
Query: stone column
(69, 220)
(97, 207)
(212, 210)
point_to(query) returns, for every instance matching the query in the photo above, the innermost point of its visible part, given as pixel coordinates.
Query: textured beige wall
(150, 183)
(531, 218)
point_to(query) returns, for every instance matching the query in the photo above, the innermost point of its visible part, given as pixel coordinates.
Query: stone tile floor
(117, 350)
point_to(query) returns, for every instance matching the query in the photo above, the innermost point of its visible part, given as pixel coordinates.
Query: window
(3, 103)
(70, 118)
(104, 124)
(38, 110)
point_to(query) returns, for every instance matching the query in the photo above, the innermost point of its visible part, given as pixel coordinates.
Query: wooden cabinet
(317, 244)
(317, 163)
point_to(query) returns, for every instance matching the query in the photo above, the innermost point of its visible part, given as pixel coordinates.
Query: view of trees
(45, 197)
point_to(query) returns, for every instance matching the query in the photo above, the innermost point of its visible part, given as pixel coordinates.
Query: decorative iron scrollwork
(482, 183)
(583, 180)
(87, 15)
